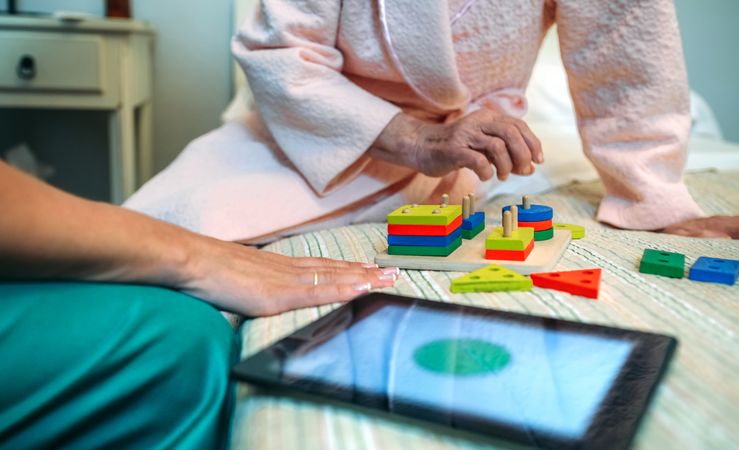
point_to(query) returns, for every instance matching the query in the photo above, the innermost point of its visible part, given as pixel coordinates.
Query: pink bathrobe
(328, 76)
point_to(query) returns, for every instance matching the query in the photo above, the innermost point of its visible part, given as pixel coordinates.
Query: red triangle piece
(584, 282)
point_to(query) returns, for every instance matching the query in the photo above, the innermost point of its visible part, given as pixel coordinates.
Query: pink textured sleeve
(321, 120)
(627, 77)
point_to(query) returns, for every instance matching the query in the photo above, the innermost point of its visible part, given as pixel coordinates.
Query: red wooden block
(578, 282)
(537, 226)
(424, 230)
(510, 255)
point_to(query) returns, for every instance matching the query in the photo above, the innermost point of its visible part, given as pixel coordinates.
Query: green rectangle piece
(469, 234)
(519, 240)
(666, 264)
(424, 251)
(424, 215)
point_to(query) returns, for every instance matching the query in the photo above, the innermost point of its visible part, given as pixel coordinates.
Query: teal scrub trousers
(86, 365)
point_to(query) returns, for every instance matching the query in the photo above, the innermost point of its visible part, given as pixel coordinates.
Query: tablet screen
(529, 377)
(546, 382)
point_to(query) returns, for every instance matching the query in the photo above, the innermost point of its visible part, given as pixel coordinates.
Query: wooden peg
(526, 202)
(466, 207)
(507, 224)
(436, 211)
(472, 203)
(514, 217)
(444, 200)
(406, 211)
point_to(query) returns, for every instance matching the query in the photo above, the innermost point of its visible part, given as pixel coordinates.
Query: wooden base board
(470, 256)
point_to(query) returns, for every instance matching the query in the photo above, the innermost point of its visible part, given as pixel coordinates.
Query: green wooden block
(519, 239)
(424, 251)
(667, 264)
(469, 234)
(544, 235)
(577, 231)
(424, 215)
(493, 278)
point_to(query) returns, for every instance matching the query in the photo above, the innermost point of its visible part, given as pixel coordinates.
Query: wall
(710, 38)
(192, 64)
(193, 78)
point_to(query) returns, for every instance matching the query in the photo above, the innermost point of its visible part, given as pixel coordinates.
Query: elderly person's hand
(722, 227)
(480, 141)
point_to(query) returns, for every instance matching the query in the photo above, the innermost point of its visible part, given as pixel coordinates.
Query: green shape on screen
(462, 357)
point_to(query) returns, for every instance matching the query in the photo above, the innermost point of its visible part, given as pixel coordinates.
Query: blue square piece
(715, 270)
(474, 221)
(424, 241)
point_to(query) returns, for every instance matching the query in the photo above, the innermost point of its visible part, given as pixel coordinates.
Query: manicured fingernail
(526, 171)
(391, 270)
(362, 287)
(388, 277)
(370, 266)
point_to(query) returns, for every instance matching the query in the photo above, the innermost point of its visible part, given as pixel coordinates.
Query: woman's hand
(48, 234)
(723, 227)
(479, 141)
(259, 283)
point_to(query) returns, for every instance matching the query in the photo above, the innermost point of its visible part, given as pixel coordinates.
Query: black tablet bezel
(613, 427)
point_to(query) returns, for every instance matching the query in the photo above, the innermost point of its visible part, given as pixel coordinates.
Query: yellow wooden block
(424, 215)
(577, 231)
(519, 239)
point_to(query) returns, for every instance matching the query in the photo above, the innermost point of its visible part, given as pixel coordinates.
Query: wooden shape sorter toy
(473, 222)
(510, 242)
(426, 243)
(585, 283)
(470, 255)
(492, 278)
(538, 217)
(666, 264)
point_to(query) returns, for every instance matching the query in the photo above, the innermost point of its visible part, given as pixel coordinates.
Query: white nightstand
(92, 64)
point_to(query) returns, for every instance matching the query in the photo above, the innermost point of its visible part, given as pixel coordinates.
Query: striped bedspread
(695, 407)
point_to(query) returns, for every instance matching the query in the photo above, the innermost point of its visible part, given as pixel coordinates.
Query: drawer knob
(26, 67)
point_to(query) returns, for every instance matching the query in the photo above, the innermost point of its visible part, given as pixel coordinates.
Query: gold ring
(315, 278)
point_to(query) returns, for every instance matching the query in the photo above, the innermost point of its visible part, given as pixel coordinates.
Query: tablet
(544, 382)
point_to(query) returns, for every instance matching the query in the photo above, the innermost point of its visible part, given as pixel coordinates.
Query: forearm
(46, 233)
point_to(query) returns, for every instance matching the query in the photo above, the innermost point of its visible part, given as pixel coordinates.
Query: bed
(695, 407)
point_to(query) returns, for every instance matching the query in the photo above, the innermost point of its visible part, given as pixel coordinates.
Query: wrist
(400, 141)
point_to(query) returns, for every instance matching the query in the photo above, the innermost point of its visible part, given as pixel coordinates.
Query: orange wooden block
(424, 230)
(537, 226)
(510, 255)
(578, 282)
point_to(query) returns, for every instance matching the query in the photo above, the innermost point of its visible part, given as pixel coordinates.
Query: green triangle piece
(493, 278)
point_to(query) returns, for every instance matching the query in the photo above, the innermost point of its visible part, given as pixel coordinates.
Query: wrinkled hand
(480, 141)
(725, 227)
(259, 283)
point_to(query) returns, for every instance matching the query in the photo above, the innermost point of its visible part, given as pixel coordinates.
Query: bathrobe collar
(418, 37)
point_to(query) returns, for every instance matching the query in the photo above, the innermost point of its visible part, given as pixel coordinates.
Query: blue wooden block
(715, 270)
(474, 221)
(536, 213)
(425, 241)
